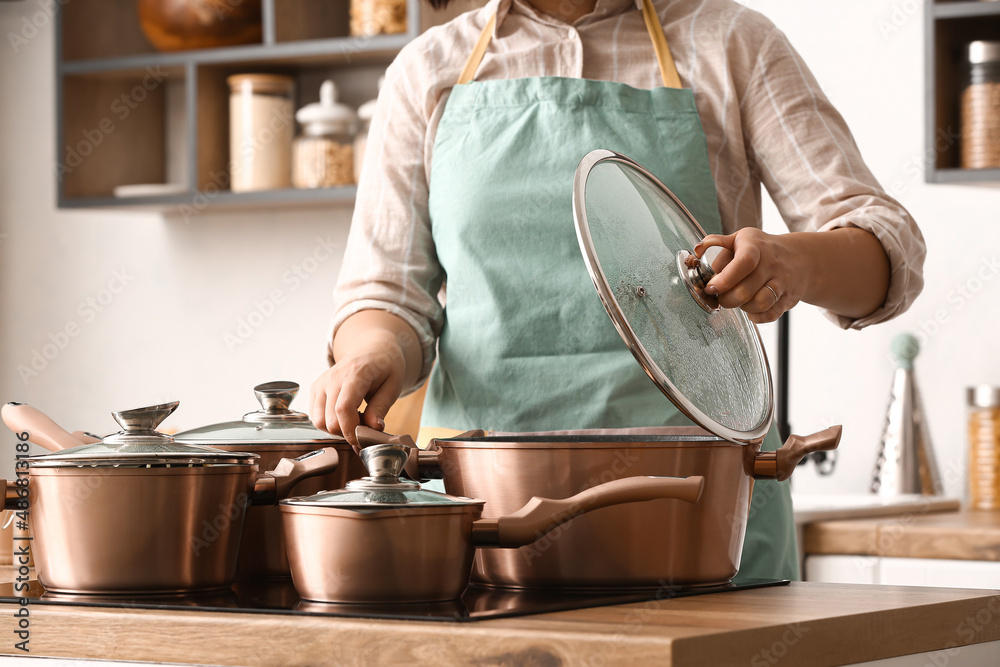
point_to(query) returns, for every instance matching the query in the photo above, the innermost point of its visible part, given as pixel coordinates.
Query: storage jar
(981, 108)
(261, 127)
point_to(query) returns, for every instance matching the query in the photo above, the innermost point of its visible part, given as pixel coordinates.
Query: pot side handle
(273, 485)
(11, 494)
(40, 428)
(541, 515)
(781, 464)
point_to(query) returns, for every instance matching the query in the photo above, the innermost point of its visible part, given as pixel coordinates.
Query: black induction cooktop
(279, 597)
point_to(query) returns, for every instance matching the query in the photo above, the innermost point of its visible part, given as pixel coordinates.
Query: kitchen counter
(964, 535)
(803, 624)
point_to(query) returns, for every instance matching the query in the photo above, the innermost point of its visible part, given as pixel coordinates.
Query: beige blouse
(765, 116)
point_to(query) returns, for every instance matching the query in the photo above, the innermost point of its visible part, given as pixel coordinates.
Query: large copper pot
(383, 539)
(652, 545)
(275, 432)
(137, 513)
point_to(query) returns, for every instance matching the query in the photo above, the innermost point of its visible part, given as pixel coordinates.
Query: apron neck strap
(668, 71)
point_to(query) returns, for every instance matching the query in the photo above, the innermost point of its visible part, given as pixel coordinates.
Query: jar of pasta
(984, 447)
(981, 108)
(323, 155)
(261, 127)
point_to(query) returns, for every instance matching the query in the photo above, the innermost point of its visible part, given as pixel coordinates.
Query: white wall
(161, 338)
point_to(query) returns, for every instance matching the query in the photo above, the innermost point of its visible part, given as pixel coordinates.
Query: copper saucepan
(138, 513)
(383, 539)
(644, 546)
(274, 432)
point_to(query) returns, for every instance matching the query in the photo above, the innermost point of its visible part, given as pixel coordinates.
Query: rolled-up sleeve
(813, 170)
(389, 262)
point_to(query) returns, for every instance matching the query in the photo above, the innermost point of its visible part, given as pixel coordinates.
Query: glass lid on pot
(382, 489)
(139, 444)
(273, 424)
(638, 242)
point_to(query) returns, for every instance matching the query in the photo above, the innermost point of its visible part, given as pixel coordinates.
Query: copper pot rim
(122, 471)
(275, 447)
(474, 508)
(587, 442)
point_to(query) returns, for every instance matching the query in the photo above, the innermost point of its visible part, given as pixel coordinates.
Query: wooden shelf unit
(128, 114)
(950, 26)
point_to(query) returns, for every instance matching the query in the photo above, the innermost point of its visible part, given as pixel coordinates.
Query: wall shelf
(193, 202)
(963, 9)
(949, 27)
(128, 114)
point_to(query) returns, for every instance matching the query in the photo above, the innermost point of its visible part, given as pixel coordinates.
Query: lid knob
(328, 93)
(139, 426)
(275, 397)
(385, 462)
(144, 419)
(696, 273)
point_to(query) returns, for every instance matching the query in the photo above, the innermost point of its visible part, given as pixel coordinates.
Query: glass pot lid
(382, 489)
(638, 242)
(273, 424)
(139, 444)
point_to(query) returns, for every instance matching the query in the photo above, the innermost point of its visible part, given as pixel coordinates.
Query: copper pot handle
(41, 429)
(541, 515)
(428, 461)
(272, 486)
(781, 464)
(11, 494)
(368, 436)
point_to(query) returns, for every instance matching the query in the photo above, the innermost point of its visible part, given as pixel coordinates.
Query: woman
(479, 128)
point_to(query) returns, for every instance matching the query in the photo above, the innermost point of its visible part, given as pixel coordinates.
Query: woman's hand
(755, 271)
(845, 270)
(376, 355)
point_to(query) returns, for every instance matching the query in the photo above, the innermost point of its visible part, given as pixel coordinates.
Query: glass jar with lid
(323, 155)
(261, 127)
(981, 107)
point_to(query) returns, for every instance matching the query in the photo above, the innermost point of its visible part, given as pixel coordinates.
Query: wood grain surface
(967, 535)
(804, 624)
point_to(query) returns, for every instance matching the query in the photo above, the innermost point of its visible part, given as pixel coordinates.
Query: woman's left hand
(755, 271)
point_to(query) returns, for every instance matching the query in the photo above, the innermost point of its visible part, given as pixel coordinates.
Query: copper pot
(645, 546)
(386, 540)
(275, 432)
(137, 513)
(176, 25)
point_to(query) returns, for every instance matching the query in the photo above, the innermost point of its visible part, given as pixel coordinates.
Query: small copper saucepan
(383, 539)
(137, 513)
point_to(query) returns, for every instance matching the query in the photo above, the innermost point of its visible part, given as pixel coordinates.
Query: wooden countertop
(803, 624)
(965, 535)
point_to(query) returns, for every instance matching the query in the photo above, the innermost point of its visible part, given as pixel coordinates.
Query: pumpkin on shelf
(180, 25)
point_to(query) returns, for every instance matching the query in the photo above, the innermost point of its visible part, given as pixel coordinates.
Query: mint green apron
(526, 343)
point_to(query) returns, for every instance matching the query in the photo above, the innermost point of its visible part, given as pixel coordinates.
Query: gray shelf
(334, 51)
(985, 177)
(968, 9)
(192, 203)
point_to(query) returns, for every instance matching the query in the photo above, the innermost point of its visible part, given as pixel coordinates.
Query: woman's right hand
(376, 355)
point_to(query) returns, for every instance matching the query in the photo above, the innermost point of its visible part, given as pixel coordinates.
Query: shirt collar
(602, 9)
